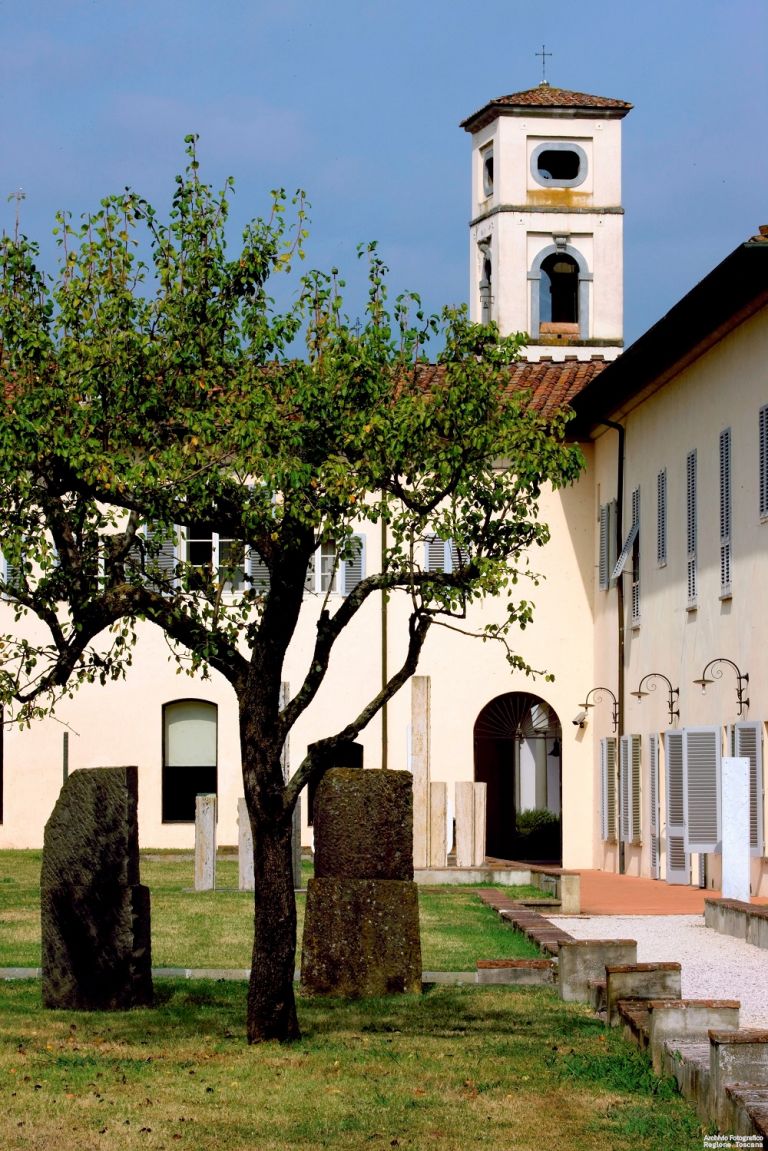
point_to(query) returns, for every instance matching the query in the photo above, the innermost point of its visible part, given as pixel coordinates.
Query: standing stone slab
(205, 842)
(420, 737)
(244, 848)
(361, 925)
(94, 912)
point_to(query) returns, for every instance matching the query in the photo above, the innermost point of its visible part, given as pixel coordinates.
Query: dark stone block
(95, 914)
(361, 937)
(364, 825)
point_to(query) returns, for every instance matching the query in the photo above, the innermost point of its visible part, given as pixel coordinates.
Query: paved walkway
(604, 893)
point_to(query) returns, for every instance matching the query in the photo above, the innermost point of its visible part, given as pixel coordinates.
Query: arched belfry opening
(518, 755)
(559, 301)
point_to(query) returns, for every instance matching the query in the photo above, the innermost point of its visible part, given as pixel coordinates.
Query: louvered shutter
(690, 525)
(653, 797)
(725, 512)
(309, 578)
(353, 569)
(456, 557)
(608, 786)
(661, 518)
(629, 776)
(435, 554)
(763, 461)
(602, 569)
(11, 573)
(678, 860)
(258, 572)
(748, 743)
(161, 568)
(701, 788)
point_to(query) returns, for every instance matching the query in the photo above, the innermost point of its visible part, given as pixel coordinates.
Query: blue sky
(359, 103)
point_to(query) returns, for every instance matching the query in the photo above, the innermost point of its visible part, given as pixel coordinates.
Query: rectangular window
(442, 555)
(701, 788)
(329, 573)
(217, 555)
(661, 518)
(690, 525)
(763, 462)
(725, 513)
(190, 757)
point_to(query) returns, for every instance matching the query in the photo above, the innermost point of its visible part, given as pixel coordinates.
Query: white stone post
(465, 823)
(480, 795)
(735, 825)
(420, 719)
(438, 830)
(205, 842)
(244, 847)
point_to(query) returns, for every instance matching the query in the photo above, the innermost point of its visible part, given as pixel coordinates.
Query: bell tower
(546, 228)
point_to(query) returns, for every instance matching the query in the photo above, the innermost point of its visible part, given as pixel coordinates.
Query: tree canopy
(151, 382)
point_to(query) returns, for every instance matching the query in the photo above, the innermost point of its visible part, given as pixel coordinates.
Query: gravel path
(714, 966)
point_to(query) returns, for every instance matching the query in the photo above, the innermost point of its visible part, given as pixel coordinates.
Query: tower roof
(544, 100)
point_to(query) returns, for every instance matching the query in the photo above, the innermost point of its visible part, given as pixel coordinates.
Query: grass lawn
(215, 928)
(455, 1069)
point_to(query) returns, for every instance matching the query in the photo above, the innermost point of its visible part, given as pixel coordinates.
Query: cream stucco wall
(724, 388)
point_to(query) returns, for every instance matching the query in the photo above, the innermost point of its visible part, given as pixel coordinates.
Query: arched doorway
(517, 747)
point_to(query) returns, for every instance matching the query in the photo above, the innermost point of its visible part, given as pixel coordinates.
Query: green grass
(214, 928)
(456, 1069)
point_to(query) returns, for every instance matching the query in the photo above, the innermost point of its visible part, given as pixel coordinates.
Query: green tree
(151, 382)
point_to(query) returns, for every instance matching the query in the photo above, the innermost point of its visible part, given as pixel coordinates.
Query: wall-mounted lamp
(673, 692)
(742, 680)
(597, 693)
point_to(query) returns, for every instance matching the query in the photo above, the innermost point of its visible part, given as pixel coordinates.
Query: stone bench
(735, 1057)
(747, 1106)
(581, 961)
(520, 972)
(639, 981)
(687, 1020)
(747, 921)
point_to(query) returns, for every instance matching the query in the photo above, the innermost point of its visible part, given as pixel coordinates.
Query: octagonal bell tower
(546, 229)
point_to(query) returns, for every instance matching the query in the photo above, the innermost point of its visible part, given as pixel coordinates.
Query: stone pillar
(470, 823)
(361, 926)
(735, 825)
(438, 826)
(95, 921)
(420, 721)
(480, 799)
(244, 848)
(205, 842)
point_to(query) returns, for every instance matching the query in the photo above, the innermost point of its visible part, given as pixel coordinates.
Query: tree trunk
(271, 1002)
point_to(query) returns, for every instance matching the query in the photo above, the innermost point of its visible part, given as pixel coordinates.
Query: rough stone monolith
(94, 911)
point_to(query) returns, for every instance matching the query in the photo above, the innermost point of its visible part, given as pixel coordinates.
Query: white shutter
(11, 573)
(661, 518)
(353, 569)
(629, 777)
(653, 797)
(763, 462)
(435, 549)
(690, 525)
(162, 566)
(258, 572)
(701, 788)
(725, 513)
(748, 743)
(608, 786)
(309, 578)
(603, 573)
(624, 555)
(678, 860)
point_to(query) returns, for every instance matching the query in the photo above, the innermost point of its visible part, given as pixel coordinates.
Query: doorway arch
(517, 753)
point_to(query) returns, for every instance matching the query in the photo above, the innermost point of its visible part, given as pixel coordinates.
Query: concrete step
(522, 972)
(634, 1017)
(748, 1105)
(583, 960)
(639, 981)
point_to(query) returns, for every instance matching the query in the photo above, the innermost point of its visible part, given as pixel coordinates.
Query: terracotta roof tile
(552, 385)
(545, 97)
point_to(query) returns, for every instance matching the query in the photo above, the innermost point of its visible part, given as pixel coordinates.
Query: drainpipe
(619, 615)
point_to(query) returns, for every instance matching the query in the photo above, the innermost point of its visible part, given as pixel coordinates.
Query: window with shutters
(608, 787)
(763, 462)
(189, 757)
(725, 514)
(631, 550)
(661, 518)
(748, 743)
(690, 526)
(629, 781)
(678, 859)
(607, 554)
(10, 573)
(701, 788)
(442, 555)
(329, 573)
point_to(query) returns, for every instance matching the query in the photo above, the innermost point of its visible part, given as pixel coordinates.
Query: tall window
(189, 757)
(690, 525)
(725, 513)
(661, 518)
(559, 298)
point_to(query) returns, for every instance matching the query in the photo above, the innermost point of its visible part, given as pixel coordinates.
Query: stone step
(516, 971)
(583, 960)
(735, 1057)
(687, 1020)
(634, 1016)
(748, 1104)
(688, 1065)
(639, 981)
(597, 995)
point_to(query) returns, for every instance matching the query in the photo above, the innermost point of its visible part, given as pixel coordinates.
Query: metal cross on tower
(543, 53)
